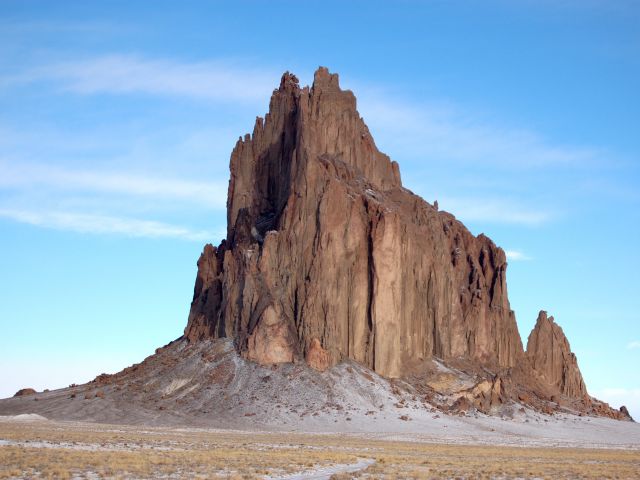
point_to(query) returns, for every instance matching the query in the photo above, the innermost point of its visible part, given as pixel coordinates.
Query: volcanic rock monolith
(328, 257)
(552, 360)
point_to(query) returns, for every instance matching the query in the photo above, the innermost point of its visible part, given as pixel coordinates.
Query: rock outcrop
(328, 257)
(23, 392)
(624, 412)
(552, 360)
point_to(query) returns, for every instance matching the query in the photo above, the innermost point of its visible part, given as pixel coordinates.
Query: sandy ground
(525, 430)
(32, 447)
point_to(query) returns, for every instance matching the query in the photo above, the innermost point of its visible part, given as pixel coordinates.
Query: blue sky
(117, 120)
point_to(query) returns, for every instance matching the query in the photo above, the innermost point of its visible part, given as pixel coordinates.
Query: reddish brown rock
(551, 358)
(603, 409)
(24, 392)
(624, 412)
(317, 357)
(328, 257)
(323, 242)
(206, 299)
(462, 404)
(487, 394)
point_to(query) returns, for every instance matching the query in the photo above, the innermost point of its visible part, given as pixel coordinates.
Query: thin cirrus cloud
(495, 210)
(448, 132)
(128, 74)
(211, 194)
(635, 345)
(29, 187)
(516, 255)
(435, 134)
(104, 224)
(430, 130)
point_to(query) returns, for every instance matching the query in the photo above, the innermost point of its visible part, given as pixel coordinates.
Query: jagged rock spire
(552, 359)
(327, 257)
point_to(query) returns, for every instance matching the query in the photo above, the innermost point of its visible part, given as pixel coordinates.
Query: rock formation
(326, 250)
(624, 412)
(328, 257)
(24, 392)
(551, 358)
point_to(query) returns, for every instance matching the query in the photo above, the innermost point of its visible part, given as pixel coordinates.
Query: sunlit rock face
(551, 358)
(328, 257)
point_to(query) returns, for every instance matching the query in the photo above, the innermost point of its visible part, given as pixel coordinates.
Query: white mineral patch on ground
(175, 384)
(23, 417)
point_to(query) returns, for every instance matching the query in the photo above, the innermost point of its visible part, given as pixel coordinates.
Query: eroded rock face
(317, 357)
(328, 257)
(207, 297)
(551, 358)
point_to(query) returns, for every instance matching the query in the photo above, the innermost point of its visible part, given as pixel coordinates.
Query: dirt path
(324, 473)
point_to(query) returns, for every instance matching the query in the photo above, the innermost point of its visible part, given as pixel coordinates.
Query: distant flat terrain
(31, 447)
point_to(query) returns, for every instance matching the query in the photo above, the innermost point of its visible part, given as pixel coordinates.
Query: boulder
(24, 392)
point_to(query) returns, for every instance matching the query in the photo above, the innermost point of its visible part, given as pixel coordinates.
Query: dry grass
(447, 461)
(66, 450)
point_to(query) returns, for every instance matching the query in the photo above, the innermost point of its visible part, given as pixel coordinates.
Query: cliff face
(551, 358)
(328, 257)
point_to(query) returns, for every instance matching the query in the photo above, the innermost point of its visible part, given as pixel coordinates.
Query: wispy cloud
(435, 131)
(128, 74)
(103, 202)
(210, 194)
(516, 255)
(443, 144)
(422, 136)
(447, 132)
(101, 224)
(494, 210)
(170, 182)
(633, 345)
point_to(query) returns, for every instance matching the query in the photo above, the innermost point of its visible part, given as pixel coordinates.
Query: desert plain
(33, 447)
